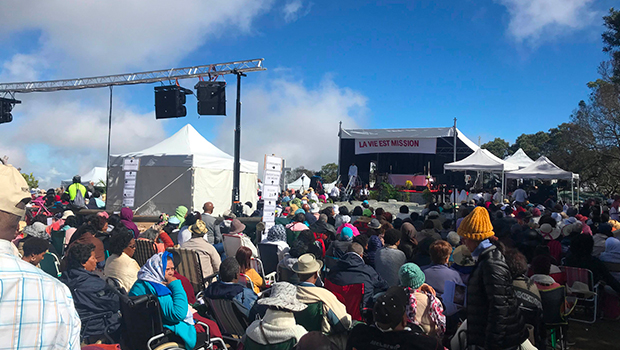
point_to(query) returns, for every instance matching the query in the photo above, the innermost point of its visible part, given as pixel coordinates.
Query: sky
(501, 67)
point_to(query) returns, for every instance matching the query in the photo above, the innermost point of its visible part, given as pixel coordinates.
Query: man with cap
(335, 316)
(209, 257)
(493, 318)
(50, 322)
(390, 330)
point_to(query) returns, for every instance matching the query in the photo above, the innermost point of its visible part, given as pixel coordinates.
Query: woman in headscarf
(346, 222)
(180, 213)
(611, 256)
(423, 309)
(156, 277)
(408, 243)
(127, 220)
(374, 244)
(277, 236)
(337, 249)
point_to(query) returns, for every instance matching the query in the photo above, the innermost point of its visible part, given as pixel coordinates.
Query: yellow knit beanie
(476, 225)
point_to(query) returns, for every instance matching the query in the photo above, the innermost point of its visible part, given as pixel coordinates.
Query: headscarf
(346, 235)
(374, 243)
(435, 310)
(408, 230)
(180, 213)
(36, 230)
(612, 250)
(277, 233)
(127, 220)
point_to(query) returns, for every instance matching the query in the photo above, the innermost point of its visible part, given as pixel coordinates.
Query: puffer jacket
(493, 317)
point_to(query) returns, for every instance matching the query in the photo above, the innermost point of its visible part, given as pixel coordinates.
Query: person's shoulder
(12, 266)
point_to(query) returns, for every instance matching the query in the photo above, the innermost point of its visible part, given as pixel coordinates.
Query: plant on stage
(428, 195)
(408, 185)
(387, 191)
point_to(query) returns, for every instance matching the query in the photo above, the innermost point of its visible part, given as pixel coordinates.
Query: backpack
(79, 201)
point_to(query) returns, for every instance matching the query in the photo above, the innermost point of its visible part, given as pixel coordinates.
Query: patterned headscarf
(36, 230)
(277, 233)
(435, 311)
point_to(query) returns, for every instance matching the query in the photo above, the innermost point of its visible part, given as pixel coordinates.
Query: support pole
(572, 191)
(236, 207)
(107, 173)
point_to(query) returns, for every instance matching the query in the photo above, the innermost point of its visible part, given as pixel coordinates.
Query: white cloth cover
(519, 158)
(542, 168)
(216, 186)
(483, 160)
(302, 182)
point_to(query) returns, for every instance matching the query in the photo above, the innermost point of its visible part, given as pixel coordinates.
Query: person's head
(362, 240)
(403, 209)
(379, 213)
(414, 216)
(323, 218)
(357, 211)
(346, 234)
(299, 217)
(82, 256)
(411, 276)
(517, 263)
(429, 225)
(99, 222)
(308, 268)
(208, 208)
(392, 237)
(389, 310)
(298, 248)
(475, 228)
(229, 270)
(244, 258)
(169, 271)
(77, 179)
(541, 265)
(581, 246)
(306, 207)
(356, 248)
(122, 241)
(314, 340)
(35, 249)
(440, 252)
(198, 229)
(343, 210)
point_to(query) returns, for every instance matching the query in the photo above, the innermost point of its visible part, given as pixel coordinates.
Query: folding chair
(246, 281)
(190, 267)
(145, 249)
(583, 302)
(269, 256)
(228, 317)
(58, 242)
(311, 317)
(50, 264)
(232, 242)
(116, 284)
(554, 314)
(352, 296)
(257, 265)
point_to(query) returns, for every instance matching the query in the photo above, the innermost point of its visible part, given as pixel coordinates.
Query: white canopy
(96, 175)
(482, 160)
(303, 183)
(188, 141)
(542, 168)
(519, 158)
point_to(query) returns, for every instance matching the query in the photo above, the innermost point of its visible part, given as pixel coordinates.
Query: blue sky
(502, 67)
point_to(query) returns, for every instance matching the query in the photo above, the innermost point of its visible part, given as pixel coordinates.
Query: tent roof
(481, 159)
(302, 181)
(519, 158)
(95, 175)
(542, 168)
(418, 133)
(188, 141)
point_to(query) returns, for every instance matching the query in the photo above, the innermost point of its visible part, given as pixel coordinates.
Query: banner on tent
(427, 146)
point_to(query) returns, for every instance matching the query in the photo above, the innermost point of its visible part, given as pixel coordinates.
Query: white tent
(544, 169)
(519, 158)
(96, 175)
(184, 169)
(301, 184)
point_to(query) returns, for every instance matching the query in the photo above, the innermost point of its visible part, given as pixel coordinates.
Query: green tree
(611, 41)
(498, 147)
(30, 179)
(532, 144)
(329, 172)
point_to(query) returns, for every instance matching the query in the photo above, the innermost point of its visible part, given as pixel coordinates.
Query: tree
(532, 144)
(32, 182)
(498, 147)
(294, 174)
(611, 41)
(329, 172)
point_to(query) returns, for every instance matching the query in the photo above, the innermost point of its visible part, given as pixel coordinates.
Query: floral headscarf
(435, 311)
(276, 234)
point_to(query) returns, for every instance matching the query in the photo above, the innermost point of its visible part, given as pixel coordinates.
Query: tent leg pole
(107, 173)
(572, 192)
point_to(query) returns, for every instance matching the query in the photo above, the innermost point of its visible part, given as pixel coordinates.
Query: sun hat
(433, 213)
(283, 296)
(536, 212)
(346, 234)
(236, 226)
(476, 225)
(67, 213)
(367, 213)
(375, 224)
(228, 214)
(549, 232)
(307, 264)
(390, 308)
(411, 275)
(580, 288)
(199, 228)
(336, 209)
(314, 208)
(346, 219)
(174, 220)
(462, 256)
(14, 194)
(37, 229)
(557, 217)
(453, 238)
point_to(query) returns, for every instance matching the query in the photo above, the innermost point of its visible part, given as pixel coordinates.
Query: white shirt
(353, 170)
(185, 235)
(36, 310)
(519, 195)
(335, 192)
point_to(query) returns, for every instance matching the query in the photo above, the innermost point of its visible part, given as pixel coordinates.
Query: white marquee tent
(544, 169)
(301, 184)
(184, 169)
(519, 158)
(96, 175)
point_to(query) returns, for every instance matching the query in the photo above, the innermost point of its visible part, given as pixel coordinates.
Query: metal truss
(210, 70)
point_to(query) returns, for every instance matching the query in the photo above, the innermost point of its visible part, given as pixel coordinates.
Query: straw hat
(307, 264)
(476, 225)
(462, 256)
(283, 296)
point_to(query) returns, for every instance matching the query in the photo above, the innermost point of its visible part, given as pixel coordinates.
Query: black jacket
(351, 269)
(493, 317)
(92, 296)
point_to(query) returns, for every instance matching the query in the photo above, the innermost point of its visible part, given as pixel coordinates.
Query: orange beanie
(476, 225)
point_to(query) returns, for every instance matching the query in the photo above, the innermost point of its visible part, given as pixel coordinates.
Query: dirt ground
(598, 336)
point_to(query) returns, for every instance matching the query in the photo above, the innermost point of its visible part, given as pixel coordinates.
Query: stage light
(6, 106)
(170, 101)
(211, 97)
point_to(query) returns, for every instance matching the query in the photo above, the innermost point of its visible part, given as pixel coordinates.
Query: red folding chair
(585, 302)
(352, 296)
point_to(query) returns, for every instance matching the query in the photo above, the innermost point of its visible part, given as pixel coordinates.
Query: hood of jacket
(126, 214)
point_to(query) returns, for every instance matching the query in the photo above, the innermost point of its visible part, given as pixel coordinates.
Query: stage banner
(427, 146)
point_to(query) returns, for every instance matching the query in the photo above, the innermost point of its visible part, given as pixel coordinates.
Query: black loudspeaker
(169, 101)
(211, 97)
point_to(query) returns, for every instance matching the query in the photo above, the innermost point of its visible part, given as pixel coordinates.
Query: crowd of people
(451, 276)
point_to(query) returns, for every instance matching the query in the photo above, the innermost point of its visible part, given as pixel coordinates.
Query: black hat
(390, 308)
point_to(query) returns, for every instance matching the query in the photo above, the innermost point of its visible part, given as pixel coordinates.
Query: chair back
(553, 306)
(232, 243)
(245, 281)
(585, 305)
(116, 284)
(141, 320)
(268, 278)
(145, 249)
(311, 317)
(231, 321)
(352, 296)
(58, 242)
(269, 255)
(190, 267)
(249, 344)
(50, 264)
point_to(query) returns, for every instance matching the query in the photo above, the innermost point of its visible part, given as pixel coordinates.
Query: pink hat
(103, 214)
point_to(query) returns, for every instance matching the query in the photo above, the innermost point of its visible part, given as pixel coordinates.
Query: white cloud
(295, 9)
(534, 21)
(300, 124)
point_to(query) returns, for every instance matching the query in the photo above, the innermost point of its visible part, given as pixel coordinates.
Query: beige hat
(307, 264)
(14, 193)
(66, 214)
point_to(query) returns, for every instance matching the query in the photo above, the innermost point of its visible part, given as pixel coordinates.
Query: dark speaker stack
(211, 97)
(170, 101)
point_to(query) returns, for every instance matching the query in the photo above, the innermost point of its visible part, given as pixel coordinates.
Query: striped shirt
(36, 310)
